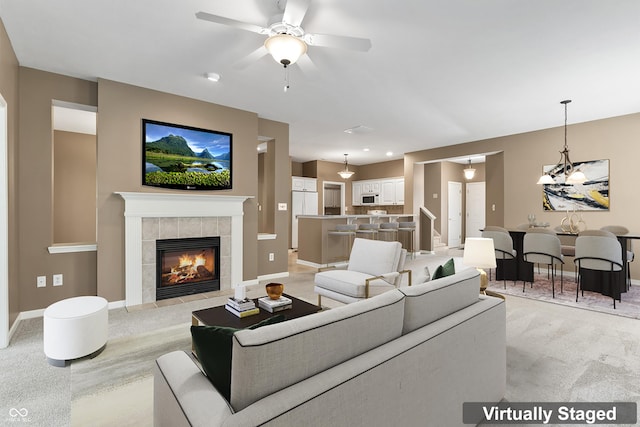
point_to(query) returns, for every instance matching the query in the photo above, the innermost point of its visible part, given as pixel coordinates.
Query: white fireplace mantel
(163, 205)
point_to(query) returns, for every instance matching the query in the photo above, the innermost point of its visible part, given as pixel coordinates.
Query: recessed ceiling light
(365, 149)
(214, 77)
(389, 153)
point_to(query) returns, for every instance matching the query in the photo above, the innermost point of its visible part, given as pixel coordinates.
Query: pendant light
(469, 172)
(564, 166)
(346, 173)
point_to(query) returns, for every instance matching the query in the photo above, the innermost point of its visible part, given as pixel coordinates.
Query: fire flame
(193, 262)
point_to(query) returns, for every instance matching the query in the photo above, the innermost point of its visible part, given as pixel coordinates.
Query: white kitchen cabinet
(299, 183)
(392, 191)
(371, 186)
(356, 193)
(400, 191)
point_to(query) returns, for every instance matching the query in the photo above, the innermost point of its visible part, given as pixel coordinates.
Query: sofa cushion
(444, 270)
(213, 347)
(270, 359)
(428, 302)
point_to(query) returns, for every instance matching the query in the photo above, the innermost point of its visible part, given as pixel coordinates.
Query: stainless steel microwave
(370, 199)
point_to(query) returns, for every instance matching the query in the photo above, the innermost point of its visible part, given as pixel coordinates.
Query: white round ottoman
(74, 328)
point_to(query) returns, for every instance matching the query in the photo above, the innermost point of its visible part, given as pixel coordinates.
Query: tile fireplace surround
(151, 216)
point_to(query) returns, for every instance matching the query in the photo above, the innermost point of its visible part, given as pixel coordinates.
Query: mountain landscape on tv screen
(171, 162)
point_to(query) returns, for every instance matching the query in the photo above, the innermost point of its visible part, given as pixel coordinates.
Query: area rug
(120, 379)
(541, 291)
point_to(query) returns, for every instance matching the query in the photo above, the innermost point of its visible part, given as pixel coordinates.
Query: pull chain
(286, 78)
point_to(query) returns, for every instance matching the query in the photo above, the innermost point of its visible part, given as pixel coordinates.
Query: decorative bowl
(274, 290)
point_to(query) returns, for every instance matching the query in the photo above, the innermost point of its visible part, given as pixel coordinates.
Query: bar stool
(388, 231)
(368, 231)
(408, 229)
(346, 232)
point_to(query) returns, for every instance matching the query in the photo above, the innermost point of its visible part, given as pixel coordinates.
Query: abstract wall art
(592, 195)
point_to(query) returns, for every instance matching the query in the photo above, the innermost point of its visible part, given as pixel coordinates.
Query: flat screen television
(185, 157)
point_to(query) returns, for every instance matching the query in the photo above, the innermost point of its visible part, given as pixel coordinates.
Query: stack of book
(273, 305)
(242, 308)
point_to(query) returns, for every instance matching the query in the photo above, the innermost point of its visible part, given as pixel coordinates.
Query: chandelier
(565, 166)
(346, 173)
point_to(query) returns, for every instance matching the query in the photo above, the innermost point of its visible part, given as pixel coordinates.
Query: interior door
(475, 209)
(454, 230)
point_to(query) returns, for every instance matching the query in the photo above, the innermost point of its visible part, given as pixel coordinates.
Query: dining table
(605, 283)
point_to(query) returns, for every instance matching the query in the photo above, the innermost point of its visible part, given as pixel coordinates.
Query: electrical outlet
(272, 256)
(282, 206)
(41, 281)
(57, 280)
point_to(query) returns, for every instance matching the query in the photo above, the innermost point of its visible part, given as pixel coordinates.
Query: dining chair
(598, 252)
(502, 244)
(543, 247)
(621, 230)
(567, 246)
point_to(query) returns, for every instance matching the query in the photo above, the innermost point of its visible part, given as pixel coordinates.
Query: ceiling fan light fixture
(285, 48)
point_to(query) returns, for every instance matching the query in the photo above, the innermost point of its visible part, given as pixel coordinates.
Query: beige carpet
(554, 353)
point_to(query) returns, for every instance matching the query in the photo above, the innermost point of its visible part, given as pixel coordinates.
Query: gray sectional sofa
(408, 357)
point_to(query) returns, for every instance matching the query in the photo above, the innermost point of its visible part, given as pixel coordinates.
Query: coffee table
(219, 316)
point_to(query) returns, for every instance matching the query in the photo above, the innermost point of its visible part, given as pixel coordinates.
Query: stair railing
(426, 227)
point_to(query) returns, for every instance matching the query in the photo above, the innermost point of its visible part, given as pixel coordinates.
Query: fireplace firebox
(187, 266)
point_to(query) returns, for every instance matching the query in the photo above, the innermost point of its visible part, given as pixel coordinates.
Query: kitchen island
(317, 248)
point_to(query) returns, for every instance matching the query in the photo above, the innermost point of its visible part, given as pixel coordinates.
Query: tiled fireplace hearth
(153, 216)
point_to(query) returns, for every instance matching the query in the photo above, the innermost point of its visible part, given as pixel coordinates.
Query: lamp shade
(577, 177)
(346, 174)
(545, 179)
(285, 48)
(479, 253)
(469, 173)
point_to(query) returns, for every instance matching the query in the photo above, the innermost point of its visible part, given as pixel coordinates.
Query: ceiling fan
(287, 41)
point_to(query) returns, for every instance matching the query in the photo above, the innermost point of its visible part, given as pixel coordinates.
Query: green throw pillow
(444, 270)
(213, 346)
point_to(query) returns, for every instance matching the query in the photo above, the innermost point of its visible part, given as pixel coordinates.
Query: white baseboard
(309, 263)
(273, 276)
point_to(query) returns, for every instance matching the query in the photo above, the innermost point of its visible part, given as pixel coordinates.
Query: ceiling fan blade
(344, 42)
(251, 58)
(294, 11)
(232, 23)
(307, 66)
